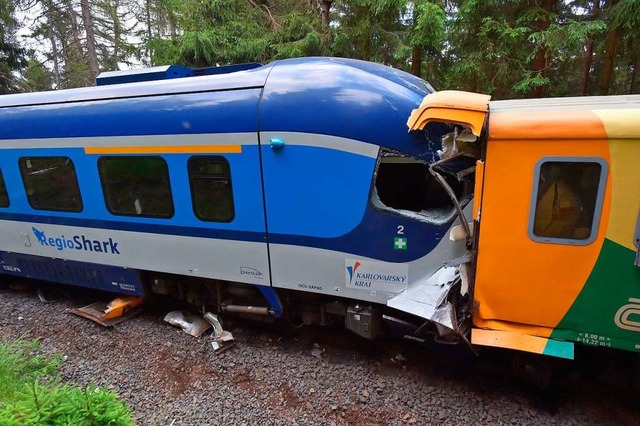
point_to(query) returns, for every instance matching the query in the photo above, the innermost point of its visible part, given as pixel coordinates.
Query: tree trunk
(326, 8)
(91, 40)
(416, 51)
(588, 54)
(117, 35)
(634, 86)
(607, 68)
(540, 60)
(149, 34)
(416, 61)
(74, 29)
(54, 46)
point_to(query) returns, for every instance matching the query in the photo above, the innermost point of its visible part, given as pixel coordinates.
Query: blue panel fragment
(113, 279)
(226, 69)
(143, 74)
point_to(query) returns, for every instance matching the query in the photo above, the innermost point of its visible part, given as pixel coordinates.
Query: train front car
(292, 184)
(352, 208)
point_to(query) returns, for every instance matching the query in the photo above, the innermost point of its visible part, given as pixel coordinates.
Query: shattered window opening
(405, 186)
(567, 201)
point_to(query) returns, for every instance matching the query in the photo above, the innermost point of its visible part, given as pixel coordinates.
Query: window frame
(24, 183)
(597, 212)
(191, 187)
(103, 186)
(6, 191)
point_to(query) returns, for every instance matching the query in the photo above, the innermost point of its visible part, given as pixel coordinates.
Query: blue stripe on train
(92, 275)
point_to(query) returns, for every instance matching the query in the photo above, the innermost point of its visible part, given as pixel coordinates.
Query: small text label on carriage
(76, 242)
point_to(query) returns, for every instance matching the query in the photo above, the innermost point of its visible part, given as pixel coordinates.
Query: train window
(4, 197)
(210, 181)
(51, 183)
(404, 186)
(567, 199)
(136, 186)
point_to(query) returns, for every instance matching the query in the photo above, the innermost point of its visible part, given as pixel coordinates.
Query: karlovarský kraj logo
(76, 242)
(371, 275)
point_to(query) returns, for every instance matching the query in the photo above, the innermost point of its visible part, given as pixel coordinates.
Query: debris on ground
(221, 339)
(109, 314)
(191, 324)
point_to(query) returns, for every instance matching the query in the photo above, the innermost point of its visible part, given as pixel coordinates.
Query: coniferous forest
(506, 48)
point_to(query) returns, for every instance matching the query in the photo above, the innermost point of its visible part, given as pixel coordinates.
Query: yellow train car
(556, 219)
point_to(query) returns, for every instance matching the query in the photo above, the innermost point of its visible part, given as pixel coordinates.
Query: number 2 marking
(400, 230)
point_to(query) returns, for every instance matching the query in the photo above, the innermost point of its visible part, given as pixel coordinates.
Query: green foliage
(33, 395)
(56, 404)
(507, 48)
(36, 78)
(19, 363)
(11, 54)
(430, 26)
(234, 31)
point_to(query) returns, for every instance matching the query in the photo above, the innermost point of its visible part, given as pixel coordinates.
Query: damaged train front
(451, 124)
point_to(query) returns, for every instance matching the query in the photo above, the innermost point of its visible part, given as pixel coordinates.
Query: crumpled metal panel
(191, 324)
(428, 299)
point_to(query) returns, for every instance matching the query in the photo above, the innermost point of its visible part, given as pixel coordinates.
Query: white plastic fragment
(190, 324)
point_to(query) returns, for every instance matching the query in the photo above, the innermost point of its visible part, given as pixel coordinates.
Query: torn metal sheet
(458, 142)
(428, 299)
(191, 324)
(96, 313)
(221, 339)
(451, 106)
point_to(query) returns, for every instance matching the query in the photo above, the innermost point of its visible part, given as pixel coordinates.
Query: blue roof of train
(159, 85)
(333, 96)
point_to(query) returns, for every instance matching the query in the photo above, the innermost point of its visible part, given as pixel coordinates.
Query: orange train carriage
(556, 224)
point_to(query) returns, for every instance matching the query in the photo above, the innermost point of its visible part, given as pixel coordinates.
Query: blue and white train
(293, 189)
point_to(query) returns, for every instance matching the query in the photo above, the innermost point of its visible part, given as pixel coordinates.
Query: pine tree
(11, 54)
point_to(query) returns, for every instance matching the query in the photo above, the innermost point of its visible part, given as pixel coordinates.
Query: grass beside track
(32, 393)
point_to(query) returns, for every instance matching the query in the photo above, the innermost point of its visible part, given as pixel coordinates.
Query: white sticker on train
(371, 275)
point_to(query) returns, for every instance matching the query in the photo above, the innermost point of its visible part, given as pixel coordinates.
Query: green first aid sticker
(400, 243)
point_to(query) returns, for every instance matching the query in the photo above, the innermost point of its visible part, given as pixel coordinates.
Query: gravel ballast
(279, 375)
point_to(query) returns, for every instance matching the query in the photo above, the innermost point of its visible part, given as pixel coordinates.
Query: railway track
(279, 375)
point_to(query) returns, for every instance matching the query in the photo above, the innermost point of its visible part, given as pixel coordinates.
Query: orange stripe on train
(177, 149)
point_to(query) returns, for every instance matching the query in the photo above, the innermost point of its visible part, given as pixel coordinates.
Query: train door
(317, 191)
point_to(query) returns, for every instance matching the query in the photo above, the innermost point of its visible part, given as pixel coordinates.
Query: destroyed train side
(292, 189)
